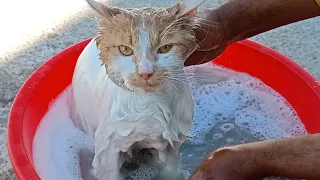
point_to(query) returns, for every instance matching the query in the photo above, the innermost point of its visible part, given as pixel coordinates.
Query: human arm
(296, 157)
(240, 19)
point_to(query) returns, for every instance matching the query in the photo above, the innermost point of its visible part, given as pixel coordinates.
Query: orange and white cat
(129, 86)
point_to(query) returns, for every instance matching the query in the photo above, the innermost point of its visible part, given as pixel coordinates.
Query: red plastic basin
(44, 85)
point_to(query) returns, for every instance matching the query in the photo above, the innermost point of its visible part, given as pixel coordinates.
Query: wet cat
(129, 87)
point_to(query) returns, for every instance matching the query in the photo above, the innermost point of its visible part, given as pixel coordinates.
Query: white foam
(247, 101)
(226, 127)
(57, 143)
(217, 136)
(240, 110)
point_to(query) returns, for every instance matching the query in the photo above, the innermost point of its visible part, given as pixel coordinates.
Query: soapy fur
(113, 103)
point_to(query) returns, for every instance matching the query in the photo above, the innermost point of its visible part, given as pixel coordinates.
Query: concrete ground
(33, 31)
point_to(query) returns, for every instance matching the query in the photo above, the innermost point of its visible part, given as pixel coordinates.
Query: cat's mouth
(154, 83)
(149, 86)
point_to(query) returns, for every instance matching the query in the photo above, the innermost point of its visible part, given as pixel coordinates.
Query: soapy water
(240, 110)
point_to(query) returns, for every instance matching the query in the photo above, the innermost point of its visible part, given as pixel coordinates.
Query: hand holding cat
(237, 20)
(211, 39)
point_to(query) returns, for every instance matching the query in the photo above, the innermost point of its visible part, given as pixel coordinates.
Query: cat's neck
(174, 90)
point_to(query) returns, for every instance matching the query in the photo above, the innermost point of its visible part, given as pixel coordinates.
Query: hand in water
(211, 39)
(225, 164)
(295, 157)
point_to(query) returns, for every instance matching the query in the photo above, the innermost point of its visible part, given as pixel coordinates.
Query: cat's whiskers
(175, 76)
(179, 73)
(171, 86)
(177, 79)
(181, 78)
(175, 83)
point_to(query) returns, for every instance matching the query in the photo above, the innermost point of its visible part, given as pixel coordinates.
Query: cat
(129, 90)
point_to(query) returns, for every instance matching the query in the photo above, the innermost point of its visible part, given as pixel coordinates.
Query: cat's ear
(188, 8)
(103, 10)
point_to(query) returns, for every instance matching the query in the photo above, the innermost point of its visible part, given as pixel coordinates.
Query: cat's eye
(125, 50)
(165, 48)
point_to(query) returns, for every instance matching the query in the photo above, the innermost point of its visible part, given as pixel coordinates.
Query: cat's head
(144, 49)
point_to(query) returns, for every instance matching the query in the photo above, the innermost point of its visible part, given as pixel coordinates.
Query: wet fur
(161, 26)
(122, 111)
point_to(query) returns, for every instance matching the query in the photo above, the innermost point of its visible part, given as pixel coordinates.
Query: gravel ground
(35, 30)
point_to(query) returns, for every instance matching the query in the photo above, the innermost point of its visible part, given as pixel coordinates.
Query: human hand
(225, 164)
(210, 37)
(258, 160)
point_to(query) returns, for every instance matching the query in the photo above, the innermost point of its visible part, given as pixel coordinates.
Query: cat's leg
(172, 159)
(163, 155)
(107, 160)
(170, 170)
(106, 165)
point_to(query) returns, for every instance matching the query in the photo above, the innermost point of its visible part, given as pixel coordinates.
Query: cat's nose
(145, 76)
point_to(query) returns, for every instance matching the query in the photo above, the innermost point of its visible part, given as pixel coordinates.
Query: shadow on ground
(17, 67)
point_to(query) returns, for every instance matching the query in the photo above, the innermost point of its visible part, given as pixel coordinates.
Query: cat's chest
(145, 133)
(137, 109)
(140, 120)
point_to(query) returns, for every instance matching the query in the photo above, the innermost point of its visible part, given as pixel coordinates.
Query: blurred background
(32, 31)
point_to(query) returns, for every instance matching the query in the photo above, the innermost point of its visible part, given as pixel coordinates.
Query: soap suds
(239, 110)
